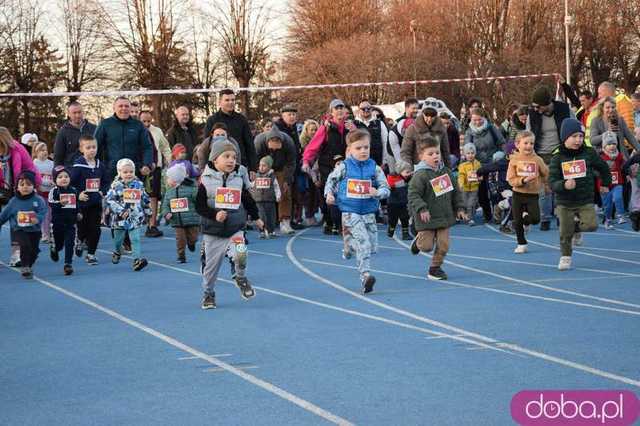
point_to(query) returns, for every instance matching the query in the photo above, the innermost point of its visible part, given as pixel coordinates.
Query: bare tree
(206, 61)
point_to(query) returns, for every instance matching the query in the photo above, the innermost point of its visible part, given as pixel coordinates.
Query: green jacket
(187, 189)
(583, 193)
(443, 208)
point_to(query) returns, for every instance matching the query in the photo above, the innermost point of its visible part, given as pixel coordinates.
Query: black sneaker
(191, 247)
(635, 221)
(368, 283)
(153, 232)
(26, 272)
(53, 252)
(115, 257)
(79, 248)
(181, 259)
(91, 259)
(436, 273)
(414, 247)
(326, 230)
(296, 226)
(126, 248)
(506, 229)
(208, 301)
(335, 230)
(68, 269)
(406, 236)
(246, 291)
(545, 226)
(139, 264)
(391, 231)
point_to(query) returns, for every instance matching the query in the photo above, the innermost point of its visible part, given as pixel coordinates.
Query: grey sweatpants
(215, 250)
(470, 199)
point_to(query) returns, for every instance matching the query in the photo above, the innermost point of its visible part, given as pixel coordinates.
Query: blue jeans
(611, 198)
(546, 206)
(134, 236)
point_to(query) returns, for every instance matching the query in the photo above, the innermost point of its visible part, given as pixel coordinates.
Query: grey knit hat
(219, 145)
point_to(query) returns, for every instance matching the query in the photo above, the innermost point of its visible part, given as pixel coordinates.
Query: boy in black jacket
(63, 199)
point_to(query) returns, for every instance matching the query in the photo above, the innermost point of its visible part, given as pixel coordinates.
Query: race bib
(358, 188)
(228, 198)
(179, 205)
(92, 185)
(441, 185)
(574, 169)
(263, 182)
(526, 168)
(472, 177)
(25, 218)
(68, 201)
(615, 178)
(47, 180)
(133, 196)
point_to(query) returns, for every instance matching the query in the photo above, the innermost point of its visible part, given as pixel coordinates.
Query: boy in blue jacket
(25, 212)
(89, 177)
(357, 185)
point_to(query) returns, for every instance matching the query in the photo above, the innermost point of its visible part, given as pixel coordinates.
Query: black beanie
(28, 175)
(541, 96)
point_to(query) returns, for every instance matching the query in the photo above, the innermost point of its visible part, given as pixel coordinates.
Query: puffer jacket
(138, 211)
(187, 190)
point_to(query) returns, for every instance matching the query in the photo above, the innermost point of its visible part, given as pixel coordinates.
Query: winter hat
(219, 145)
(28, 175)
(267, 160)
(274, 133)
(27, 137)
(288, 108)
(569, 127)
(469, 148)
(609, 138)
(541, 96)
(59, 169)
(497, 156)
(177, 150)
(403, 166)
(336, 103)
(177, 173)
(124, 162)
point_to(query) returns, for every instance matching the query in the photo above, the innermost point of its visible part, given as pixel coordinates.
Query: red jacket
(615, 166)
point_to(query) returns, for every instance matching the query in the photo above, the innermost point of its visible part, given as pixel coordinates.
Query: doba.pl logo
(553, 407)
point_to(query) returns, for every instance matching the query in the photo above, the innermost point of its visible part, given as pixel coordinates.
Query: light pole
(412, 28)
(568, 20)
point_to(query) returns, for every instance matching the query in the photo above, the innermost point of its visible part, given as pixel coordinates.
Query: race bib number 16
(228, 198)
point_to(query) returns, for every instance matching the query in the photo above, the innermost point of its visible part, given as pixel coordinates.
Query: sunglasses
(339, 107)
(366, 109)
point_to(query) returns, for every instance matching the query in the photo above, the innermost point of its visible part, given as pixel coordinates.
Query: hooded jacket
(420, 131)
(81, 172)
(284, 159)
(187, 137)
(66, 145)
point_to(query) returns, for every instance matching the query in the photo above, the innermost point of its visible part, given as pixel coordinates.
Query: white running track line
(513, 347)
(489, 289)
(326, 240)
(339, 309)
(533, 284)
(608, 249)
(287, 396)
(551, 280)
(635, 234)
(574, 250)
(185, 358)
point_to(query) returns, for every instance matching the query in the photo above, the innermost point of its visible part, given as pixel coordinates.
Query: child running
(25, 212)
(63, 200)
(266, 192)
(469, 180)
(358, 184)
(615, 161)
(223, 201)
(45, 167)
(435, 202)
(572, 179)
(89, 177)
(179, 209)
(526, 174)
(630, 169)
(397, 201)
(129, 205)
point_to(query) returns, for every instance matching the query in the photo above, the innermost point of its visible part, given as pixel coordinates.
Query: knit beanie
(59, 169)
(28, 137)
(219, 145)
(28, 175)
(177, 173)
(609, 138)
(267, 160)
(124, 162)
(469, 148)
(569, 127)
(177, 150)
(541, 96)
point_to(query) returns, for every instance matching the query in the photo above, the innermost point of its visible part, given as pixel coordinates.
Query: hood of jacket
(436, 127)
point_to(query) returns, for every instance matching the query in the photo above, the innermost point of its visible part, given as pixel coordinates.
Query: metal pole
(412, 27)
(567, 23)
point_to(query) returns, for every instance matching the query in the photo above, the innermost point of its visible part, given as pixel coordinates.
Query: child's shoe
(577, 239)
(79, 248)
(91, 259)
(565, 263)
(406, 236)
(264, 235)
(367, 283)
(139, 264)
(246, 291)
(608, 224)
(53, 252)
(326, 230)
(208, 301)
(115, 257)
(635, 221)
(191, 247)
(506, 229)
(346, 254)
(471, 222)
(521, 248)
(335, 230)
(68, 269)
(436, 273)
(26, 272)
(391, 231)
(181, 259)
(414, 246)
(621, 219)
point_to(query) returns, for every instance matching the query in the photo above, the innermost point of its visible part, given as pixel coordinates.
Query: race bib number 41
(179, 205)
(131, 195)
(228, 198)
(526, 168)
(25, 218)
(441, 185)
(574, 169)
(358, 188)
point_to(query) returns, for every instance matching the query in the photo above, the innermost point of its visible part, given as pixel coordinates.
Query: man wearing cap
(66, 145)
(237, 127)
(378, 131)
(279, 146)
(545, 121)
(427, 124)
(328, 142)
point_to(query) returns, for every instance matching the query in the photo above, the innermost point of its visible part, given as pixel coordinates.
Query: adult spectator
(635, 101)
(427, 124)
(183, 131)
(466, 117)
(377, 130)
(122, 136)
(545, 121)
(65, 147)
(452, 134)
(287, 123)
(153, 182)
(624, 106)
(327, 144)
(587, 103)
(608, 119)
(396, 135)
(282, 150)
(134, 111)
(488, 140)
(238, 128)
(14, 159)
(204, 149)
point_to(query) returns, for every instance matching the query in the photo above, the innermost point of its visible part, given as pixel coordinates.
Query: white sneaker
(15, 256)
(622, 219)
(577, 239)
(565, 263)
(521, 248)
(285, 227)
(310, 221)
(608, 225)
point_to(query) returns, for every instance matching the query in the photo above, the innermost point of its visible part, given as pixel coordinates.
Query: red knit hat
(177, 150)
